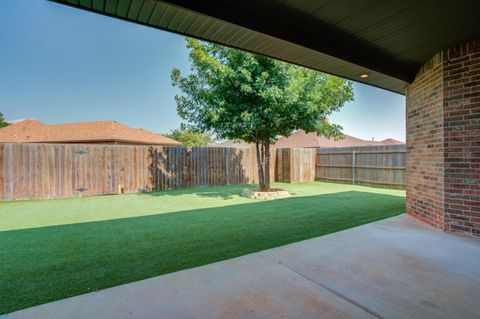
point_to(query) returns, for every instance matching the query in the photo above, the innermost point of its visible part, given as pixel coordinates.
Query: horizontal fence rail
(371, 165)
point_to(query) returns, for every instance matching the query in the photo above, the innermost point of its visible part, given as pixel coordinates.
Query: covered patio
(394, 268)
(422, 264)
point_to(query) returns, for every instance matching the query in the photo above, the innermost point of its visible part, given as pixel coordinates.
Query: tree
(3, 122)
(189, 137)
(239, 95)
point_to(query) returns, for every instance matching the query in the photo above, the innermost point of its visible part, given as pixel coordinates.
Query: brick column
(443, 140)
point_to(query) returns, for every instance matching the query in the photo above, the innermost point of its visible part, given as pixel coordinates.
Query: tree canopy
(189, 137)
(249, 97)
(3, 122)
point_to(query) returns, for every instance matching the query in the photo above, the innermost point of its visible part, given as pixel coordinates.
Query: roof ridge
(87, 122)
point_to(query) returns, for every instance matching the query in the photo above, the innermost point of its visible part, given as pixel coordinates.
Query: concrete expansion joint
(333, 291)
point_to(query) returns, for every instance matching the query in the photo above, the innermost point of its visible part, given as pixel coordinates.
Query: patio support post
(443, 140)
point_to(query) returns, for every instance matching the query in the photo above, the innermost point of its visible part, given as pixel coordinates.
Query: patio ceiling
(387, 39)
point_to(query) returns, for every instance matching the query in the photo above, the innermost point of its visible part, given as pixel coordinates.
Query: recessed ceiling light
(364, 75)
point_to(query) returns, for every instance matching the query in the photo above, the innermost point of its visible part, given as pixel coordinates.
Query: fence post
(2, 177)
(353, 167)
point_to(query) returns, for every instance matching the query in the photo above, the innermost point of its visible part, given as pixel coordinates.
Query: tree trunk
(259, 165)
(263, 163)
(267, 166)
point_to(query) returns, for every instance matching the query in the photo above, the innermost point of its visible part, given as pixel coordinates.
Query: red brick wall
(461, 110)
(443, 141)
(424, 160)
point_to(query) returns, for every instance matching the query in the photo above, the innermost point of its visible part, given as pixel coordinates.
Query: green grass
(54, 249)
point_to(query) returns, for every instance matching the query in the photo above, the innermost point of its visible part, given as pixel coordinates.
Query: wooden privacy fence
(35, 171)
(179, 167)
(295, 165)
(377, 165)
(30, 171)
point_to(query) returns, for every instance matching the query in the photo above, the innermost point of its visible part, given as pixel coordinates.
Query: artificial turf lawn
(54, 249)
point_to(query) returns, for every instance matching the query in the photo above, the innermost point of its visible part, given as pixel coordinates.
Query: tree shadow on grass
(222, 191)
(39, 265)
(219, 191)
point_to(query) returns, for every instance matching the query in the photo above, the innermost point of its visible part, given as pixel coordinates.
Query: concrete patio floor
(394, 268)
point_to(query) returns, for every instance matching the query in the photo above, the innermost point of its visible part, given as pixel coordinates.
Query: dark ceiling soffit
(77, 6)
(298, 28)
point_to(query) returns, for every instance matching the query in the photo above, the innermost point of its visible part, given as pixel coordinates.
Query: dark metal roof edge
(231, 46)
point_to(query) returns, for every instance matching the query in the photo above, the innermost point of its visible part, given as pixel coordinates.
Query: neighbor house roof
(302, 139)
(391, 141)
(33, 131)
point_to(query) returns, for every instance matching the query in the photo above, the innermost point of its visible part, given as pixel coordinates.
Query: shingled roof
(33, 131)
(302, 139)
(391, 141)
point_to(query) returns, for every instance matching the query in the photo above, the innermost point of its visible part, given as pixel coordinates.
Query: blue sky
(59, 64)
